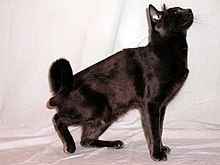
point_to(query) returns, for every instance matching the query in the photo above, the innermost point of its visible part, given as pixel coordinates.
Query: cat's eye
(175, 12)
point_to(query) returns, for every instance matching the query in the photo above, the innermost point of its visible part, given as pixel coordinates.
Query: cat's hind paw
(118, 144)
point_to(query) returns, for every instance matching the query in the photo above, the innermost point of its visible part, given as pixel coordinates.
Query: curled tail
(61, 81)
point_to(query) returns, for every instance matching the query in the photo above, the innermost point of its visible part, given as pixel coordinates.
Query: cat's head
(169, 21)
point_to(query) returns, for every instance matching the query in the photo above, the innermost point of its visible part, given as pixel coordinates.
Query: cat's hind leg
(91, 133)
(61, 123)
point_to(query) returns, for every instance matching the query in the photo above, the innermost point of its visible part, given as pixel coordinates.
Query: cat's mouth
(189, 22)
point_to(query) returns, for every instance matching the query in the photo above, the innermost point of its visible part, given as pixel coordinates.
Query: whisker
(203, 29)
(201, 17)
(202, 23)
(202, 26)
(201, 14)
(196, 28)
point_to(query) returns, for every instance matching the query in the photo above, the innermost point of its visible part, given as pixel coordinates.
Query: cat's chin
(187, 24)
(189, 21)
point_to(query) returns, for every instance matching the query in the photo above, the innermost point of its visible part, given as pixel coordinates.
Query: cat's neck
(175, 36)
(172, 40)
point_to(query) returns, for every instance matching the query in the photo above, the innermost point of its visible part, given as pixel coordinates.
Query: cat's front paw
(166, 149)
(159, 155)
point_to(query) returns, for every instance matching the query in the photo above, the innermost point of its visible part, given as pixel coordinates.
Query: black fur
(61, 80)
(146, 78)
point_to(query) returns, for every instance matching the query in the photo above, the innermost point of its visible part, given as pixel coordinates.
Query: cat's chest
(172, 77)
(173, 70)
(173, 63)
(174, 84)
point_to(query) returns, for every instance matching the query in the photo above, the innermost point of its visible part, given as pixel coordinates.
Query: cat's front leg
(151, 127)
(162, 114)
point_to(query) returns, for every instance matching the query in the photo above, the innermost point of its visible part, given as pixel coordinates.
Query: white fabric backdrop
(34, 33)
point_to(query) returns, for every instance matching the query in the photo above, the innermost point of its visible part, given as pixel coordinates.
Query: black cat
(146, 78)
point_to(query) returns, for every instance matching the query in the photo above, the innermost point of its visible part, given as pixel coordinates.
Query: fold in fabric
(36, 33)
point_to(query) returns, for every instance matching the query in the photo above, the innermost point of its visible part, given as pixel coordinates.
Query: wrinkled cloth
(35, 33)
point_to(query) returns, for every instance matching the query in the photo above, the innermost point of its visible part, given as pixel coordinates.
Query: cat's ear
(164, 7)
(155, 15)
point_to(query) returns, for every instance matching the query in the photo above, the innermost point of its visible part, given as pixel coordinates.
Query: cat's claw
(118, 144)
(69, 149)
(166, 149)
(159, 156)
